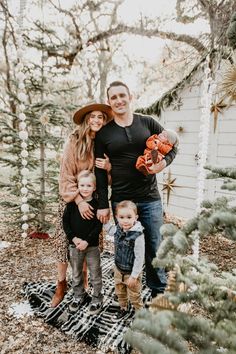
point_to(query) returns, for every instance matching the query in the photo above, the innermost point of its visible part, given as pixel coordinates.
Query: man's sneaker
(76, 303)
(95, 308)
(120, 314)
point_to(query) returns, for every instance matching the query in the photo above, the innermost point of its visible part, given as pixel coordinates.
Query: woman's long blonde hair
(84, 138)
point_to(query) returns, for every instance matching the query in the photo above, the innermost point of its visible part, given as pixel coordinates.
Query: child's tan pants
(124, 293)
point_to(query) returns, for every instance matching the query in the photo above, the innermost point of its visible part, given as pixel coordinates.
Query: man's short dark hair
(115, 84)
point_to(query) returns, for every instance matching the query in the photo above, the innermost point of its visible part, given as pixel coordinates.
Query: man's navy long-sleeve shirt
(123, 145)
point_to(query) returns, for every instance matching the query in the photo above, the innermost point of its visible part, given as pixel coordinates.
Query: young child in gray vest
(129, 256)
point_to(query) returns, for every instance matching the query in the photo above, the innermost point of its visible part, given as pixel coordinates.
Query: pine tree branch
(222, 172)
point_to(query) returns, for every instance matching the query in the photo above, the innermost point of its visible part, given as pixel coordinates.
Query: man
(123, 140)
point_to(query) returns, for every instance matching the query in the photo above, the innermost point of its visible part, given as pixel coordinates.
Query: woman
(78, 155)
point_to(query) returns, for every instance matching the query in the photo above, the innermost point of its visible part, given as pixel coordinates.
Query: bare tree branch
(70, 14)
(220, 4)
(6, 57)
(180, 13)
(62, 51)
(204, 3)
(217, 13)
(192, 41)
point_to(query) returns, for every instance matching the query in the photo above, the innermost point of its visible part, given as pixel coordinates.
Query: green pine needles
(203, 318)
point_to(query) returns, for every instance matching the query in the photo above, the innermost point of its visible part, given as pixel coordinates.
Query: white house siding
(221, 151)
(225, 142)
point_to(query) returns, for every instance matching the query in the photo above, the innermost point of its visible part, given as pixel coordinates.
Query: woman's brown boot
(60, 293)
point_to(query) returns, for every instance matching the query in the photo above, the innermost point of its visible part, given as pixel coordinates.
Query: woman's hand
(86, 210)
(103, 215)
(103, 163)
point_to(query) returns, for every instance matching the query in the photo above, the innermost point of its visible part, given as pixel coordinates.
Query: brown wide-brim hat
(104, 108)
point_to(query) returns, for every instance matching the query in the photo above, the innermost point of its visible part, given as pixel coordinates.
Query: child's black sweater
(75, 226)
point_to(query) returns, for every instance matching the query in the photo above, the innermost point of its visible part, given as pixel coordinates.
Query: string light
(23, 134)
(206, 99)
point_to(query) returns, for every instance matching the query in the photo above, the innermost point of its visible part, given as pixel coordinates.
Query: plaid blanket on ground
(100, 331)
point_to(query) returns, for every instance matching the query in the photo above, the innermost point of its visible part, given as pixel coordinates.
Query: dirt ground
(28, 260)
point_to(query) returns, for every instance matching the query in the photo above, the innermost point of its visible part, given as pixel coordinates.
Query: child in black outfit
(83, 236)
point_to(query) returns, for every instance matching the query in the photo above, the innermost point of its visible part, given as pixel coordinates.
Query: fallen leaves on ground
(27, 260)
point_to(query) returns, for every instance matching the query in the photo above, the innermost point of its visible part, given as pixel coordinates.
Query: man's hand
(158, 167)
(82, 245)
(131, 282)
(103, 215)
(86, 210)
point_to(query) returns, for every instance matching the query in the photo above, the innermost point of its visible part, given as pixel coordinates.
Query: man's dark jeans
(151, 217)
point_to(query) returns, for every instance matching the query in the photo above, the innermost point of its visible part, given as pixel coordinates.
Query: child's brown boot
(60, 293)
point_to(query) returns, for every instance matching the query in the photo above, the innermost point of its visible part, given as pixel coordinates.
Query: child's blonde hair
(87, 173)
(172, 137)
(127, 204)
